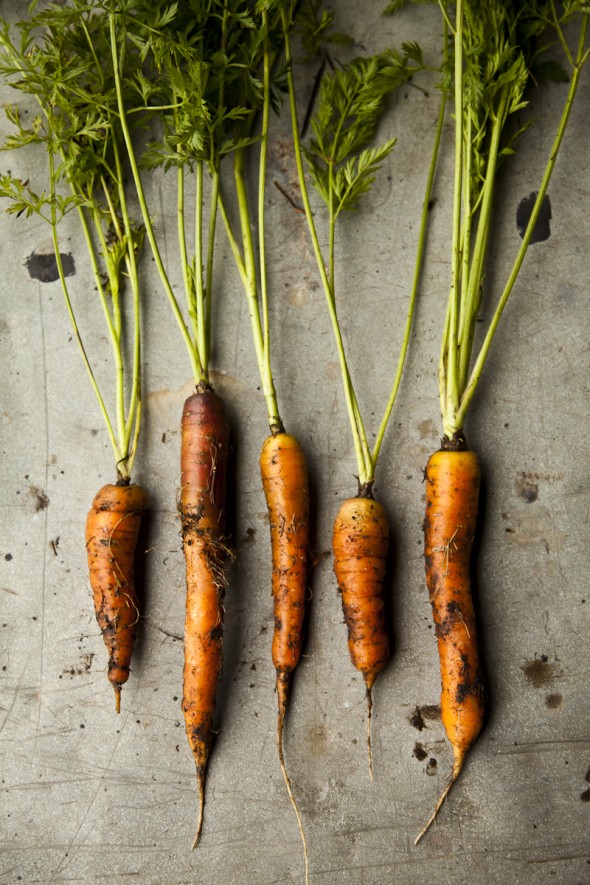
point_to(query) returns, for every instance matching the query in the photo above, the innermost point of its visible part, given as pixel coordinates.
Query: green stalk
(201, 339)
(121, 467)
(210, 252)
(115, 329)
(415, 283)
(476, 373)
(468, 213)
(450, 396)
(233, 244)
(184, 263)
(109, 318)
(268, 389)
(363, 464)
(131, 265)
(476, 268)
(261, 196)
(197, 368)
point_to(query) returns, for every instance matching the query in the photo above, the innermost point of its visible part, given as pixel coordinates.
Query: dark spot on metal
(8, 557)
(431, 766)
(542, 230)
(554, 701)
(419, 752)
(540, 671)
(527, 489)
(421, 714)
(585, 796)
(43, 267)
(40, 499)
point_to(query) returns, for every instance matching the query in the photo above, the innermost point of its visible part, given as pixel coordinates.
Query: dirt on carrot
(360, 542)
(452, 493)
(204, 452)
(112, 528)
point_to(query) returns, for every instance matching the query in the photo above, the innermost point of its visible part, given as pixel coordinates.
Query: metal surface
(87, 796)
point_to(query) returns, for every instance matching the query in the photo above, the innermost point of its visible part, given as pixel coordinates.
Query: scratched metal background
(86, 796)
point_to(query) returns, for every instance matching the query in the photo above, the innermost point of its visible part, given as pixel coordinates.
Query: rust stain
(541, 671)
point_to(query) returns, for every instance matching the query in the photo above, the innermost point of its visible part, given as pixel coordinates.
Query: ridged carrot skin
(204, 453)
(112, 528)
(285, 482)
(452, 495)
(360, 543)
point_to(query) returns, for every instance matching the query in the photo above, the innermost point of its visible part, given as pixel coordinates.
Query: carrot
(360, 542)
(284, 478)
(452, 492)
(493, 59)
(204, 449)
(112, 528)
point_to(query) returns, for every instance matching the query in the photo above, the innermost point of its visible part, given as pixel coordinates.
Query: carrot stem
(72, 316)
(451, 393)
(415, 284)
(364, 466)
(197, 368)
(201, 325)
(249, 263)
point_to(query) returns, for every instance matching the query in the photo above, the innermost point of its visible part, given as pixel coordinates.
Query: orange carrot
(452, 492)
(285, 482)
(204, 450)
(112, 528)
(360, 543)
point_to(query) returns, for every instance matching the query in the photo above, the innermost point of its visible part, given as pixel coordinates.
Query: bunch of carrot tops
(204, 77)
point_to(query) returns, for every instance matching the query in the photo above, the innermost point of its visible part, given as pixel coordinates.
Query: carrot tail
(459, 758)
(369, 715)
(201, 785)
(283, 696)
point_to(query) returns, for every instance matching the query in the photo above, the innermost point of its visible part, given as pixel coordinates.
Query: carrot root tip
(293, 800)
(117, 698)
(283, 680)
(201, 785)
(369, 717)
(457, 766)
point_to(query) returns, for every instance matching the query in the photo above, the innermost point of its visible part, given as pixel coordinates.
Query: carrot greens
(54, 57)
(496, 53)
(342, 168)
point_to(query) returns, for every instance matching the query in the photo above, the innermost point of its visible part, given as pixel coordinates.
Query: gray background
(87, 796)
